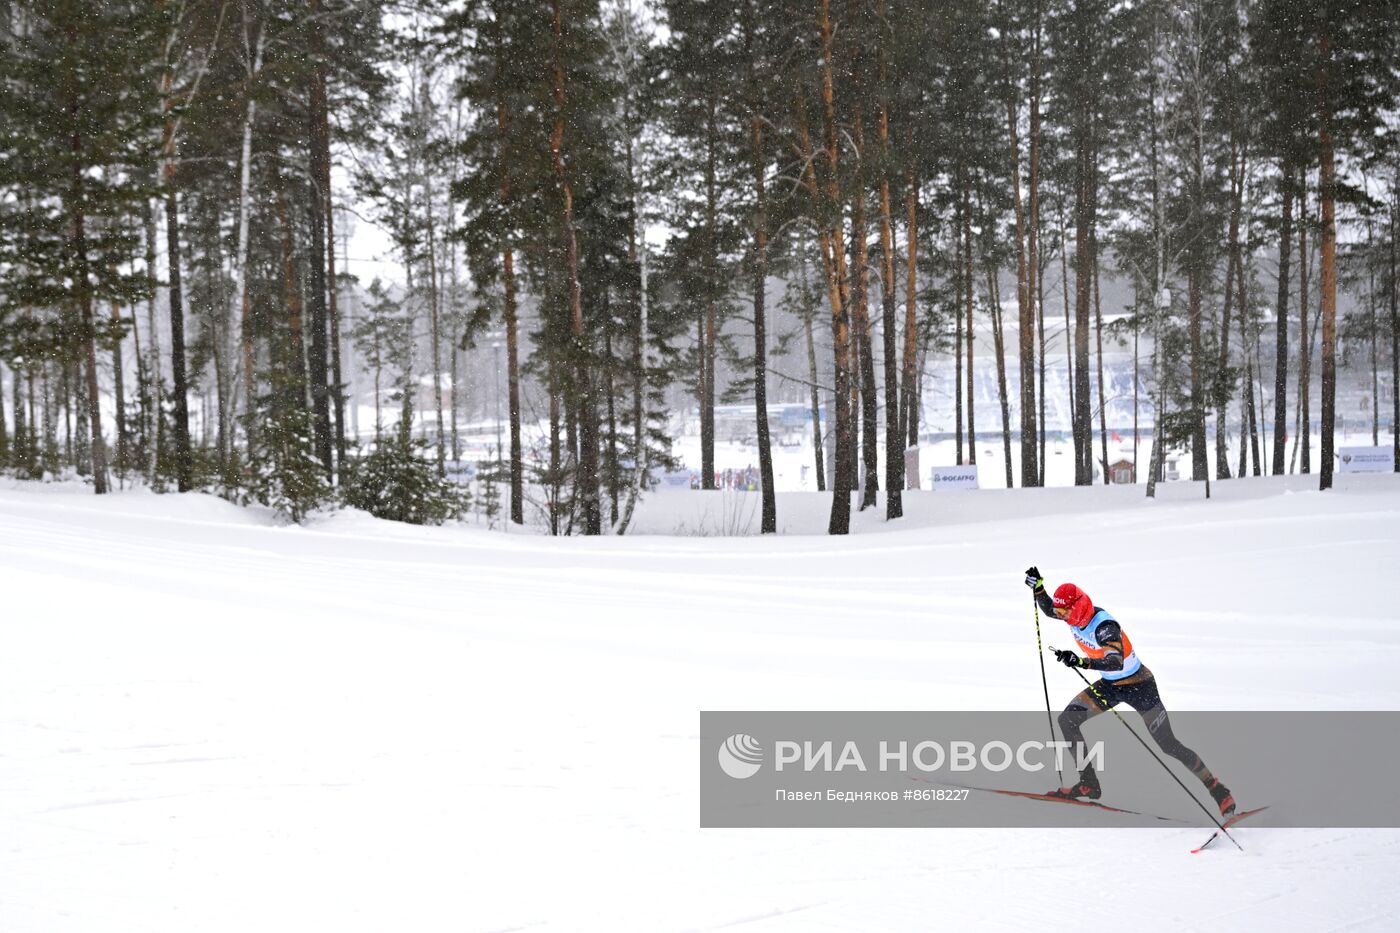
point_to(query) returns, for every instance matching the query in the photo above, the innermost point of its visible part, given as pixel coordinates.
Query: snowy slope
(211, 723)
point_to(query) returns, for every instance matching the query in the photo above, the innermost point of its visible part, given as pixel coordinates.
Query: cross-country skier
(1125, 680)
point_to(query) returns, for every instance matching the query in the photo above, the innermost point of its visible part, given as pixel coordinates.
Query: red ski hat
(1080, 606)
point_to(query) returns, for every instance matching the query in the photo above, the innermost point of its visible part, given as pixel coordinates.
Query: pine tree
(77, 118)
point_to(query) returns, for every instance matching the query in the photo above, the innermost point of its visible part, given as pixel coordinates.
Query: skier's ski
(1029, 795)
(1228, 823)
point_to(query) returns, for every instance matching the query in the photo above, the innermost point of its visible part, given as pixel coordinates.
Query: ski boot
(1222, 796)
(1087, 786)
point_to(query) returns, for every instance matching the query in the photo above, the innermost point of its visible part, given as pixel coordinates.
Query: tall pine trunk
(999, 339)
(769, 519)
(294, 364)
(959, 284)
(79, 263)
(1327, 268)
(808, 312)
(709, 311)
(435, 327)
(1394, 322)
(239, 292)
(1223, 383)
(1285, 250)
(586, 482)
(336, 388)
(1084, 261)
(119, 391)
(834, 261)
(894, 446)
(517, 465)
(184, 461)
(1103, 405)
(860, 308)
(908, 390)
(1069, 332)
(1304, 419)
(1031, 443)
(969, 291)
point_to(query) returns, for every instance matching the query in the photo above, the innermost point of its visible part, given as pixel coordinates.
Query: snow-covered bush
(283, 472)
(399, 482)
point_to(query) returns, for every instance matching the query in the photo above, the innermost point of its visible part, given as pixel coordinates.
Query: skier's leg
(1145, 698)
(1086, 704)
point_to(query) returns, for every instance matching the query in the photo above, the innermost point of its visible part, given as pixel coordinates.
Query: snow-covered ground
(210, 723)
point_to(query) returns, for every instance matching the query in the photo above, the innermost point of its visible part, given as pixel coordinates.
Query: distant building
(1122, 472)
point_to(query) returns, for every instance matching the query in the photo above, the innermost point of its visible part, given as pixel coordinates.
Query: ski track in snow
(211, 723)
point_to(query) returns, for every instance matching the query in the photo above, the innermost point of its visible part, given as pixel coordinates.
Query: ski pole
(1169, 771)
(1044, 684)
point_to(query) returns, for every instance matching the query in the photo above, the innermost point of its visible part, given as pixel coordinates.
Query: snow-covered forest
(498, 410)
(618, 234)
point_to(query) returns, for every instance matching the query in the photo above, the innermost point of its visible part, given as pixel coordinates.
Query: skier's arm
(1042, 598)
(1110, 636)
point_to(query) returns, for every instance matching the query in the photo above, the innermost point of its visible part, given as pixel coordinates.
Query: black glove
(1033, 579)
(1067, 658)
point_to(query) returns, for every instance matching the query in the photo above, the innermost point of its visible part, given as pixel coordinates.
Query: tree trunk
(769, 521)
(517, 465)
(1084, 261)
(184, 463)
(1040, 367)
(4, 431)
(435, 330)
(555, 456)
(337, 386)
(860, 306)
(999, 339)
(1304, 421)
(78, 207)
(295, 365)
(1375, 336)
(1069, 330)
(808, 310)
(1103, 405)
(971, 340)
(20, 446)
(1285, 250)
(709, 311)
(82, 439)
(639, 359)
(1032, 445)
(894, 446)
(909, 395)
(1160, 303)
(1261, 442)
(1233, 264)
(239, 291)
(587, 479)
(1136, 328)
(1394, 322)
(611, 459)
(321, 139)
(155, 428)
(960, 283)
(119, 390)
(834, 261)
(1327, 269)
(316, 287)
(1194, 288)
